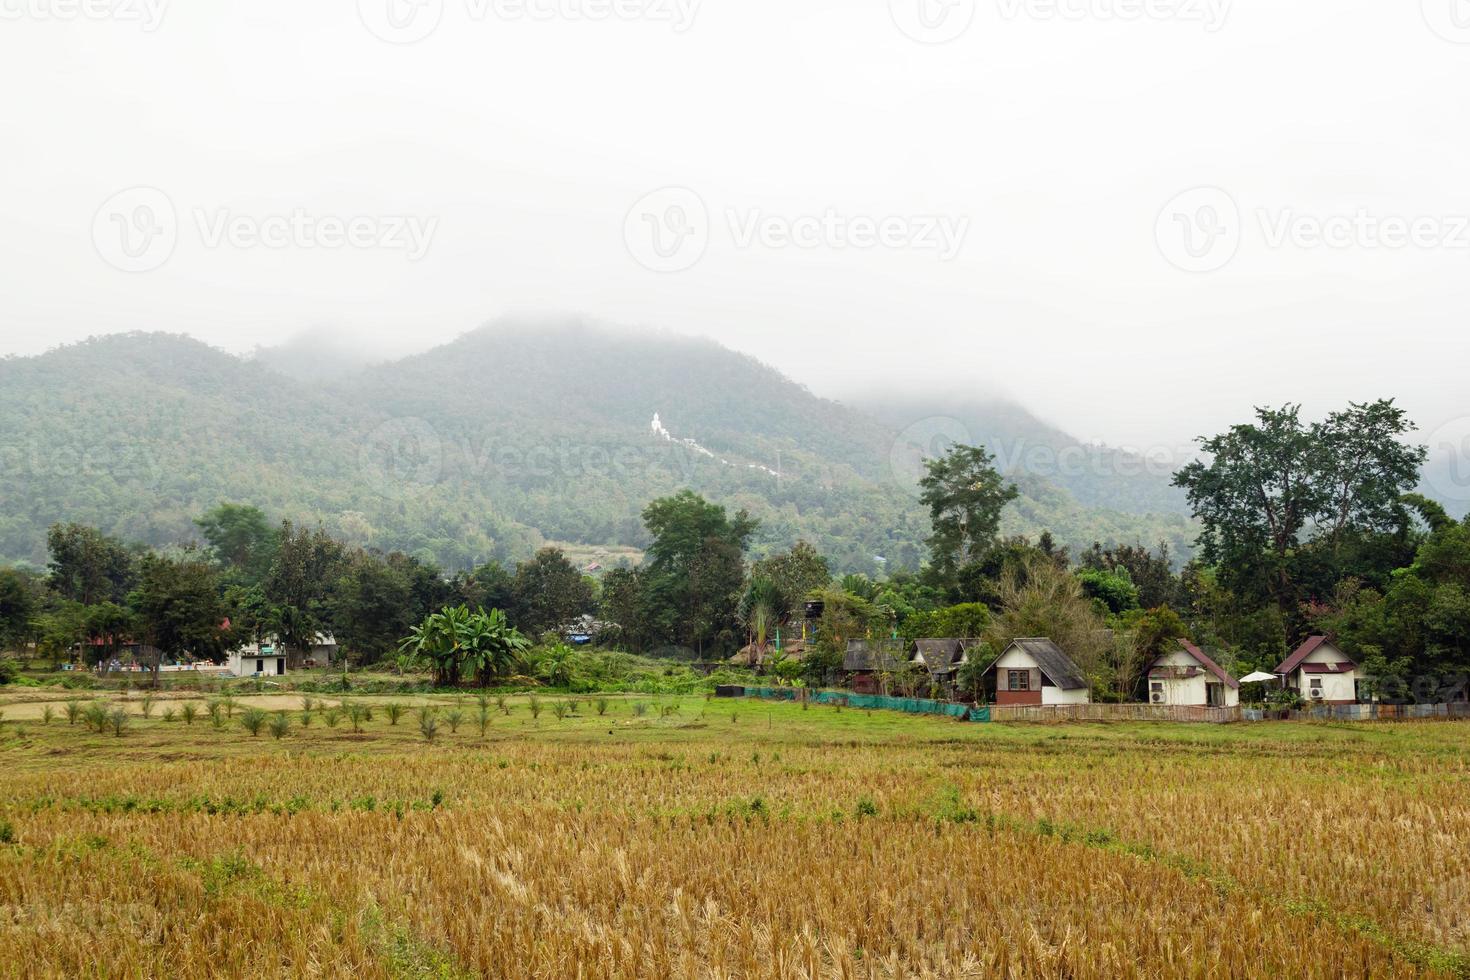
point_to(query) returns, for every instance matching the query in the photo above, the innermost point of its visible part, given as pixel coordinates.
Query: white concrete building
(1187, 676)
(1320, 672)
(268, 657)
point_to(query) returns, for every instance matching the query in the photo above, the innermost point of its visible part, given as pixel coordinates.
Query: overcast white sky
(517, 147)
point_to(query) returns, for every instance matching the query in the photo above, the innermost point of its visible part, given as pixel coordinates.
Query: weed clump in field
(253, 720)
(357, 713)
(428, 724)
(95, 717)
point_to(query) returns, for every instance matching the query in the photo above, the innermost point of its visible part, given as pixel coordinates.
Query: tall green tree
(241, 539)
(965, 495)
(696, 567)
(297, 587)
(795, 574)
(549, 592)
(88, 566)
(179, 608)
(17, 607)
(1272, 486)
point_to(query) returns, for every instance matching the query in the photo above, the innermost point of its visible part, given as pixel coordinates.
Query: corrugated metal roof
(1056, 665)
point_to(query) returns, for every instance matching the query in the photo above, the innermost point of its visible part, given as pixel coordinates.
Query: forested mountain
(485, 448)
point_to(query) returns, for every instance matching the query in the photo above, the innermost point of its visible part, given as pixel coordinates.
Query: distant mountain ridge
(512, 435)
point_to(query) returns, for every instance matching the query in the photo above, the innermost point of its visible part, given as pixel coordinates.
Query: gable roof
(941, 656)
(874, 655)
(1302, 652)
(1204, 661)
(1059, 668)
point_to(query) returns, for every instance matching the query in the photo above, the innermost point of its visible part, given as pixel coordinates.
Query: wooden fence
(1112, 712)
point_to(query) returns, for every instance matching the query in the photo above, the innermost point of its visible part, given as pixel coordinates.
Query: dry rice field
(715, 839)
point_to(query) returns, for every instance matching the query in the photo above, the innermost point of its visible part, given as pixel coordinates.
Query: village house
(942, 659)
(1034, 670)
(1187, 676)
(872, 665)
(1319, 671)
(267, 657)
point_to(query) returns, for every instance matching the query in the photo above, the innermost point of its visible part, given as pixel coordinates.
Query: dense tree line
(1306, 527)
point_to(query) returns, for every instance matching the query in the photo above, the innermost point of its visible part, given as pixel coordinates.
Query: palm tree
(763, 606)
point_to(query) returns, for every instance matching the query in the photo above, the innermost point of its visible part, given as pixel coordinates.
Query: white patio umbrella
(1259, 676)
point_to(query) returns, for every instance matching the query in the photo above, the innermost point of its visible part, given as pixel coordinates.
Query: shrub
(454, 718)
(95, 716)
(117, 720)
(146, 706)
(331, 716)
(428, 725)
(169, 714)
(357, 714)
(9, 670)
(534, 703)
(502, 703)
(253, 720)
(73, 709)
(47, 713)
(639, 709)
(483, 718)
(189, 712)
(280, 725)
(559, 708)
(394, 711)
(601, 705)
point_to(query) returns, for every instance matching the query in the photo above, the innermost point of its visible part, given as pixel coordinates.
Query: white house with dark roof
(1188, 676)
(1034, 670)
(1319, 671)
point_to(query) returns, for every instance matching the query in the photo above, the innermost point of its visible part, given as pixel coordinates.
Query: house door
(260, 666)
(280, 665)
(1215, 695)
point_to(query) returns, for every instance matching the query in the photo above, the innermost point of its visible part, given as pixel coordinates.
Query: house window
(1156, 686)
(1018, 680)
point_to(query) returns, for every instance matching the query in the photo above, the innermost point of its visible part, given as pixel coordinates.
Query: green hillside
(484, 448)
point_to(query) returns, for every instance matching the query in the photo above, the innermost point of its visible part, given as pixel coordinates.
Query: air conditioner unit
(1316, 694)
(1157, 697)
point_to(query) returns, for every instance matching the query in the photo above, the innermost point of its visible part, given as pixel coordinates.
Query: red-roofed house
(1188, 676)
(1320, 672)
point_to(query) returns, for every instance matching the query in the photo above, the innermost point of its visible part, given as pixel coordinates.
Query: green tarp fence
(917, 706)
